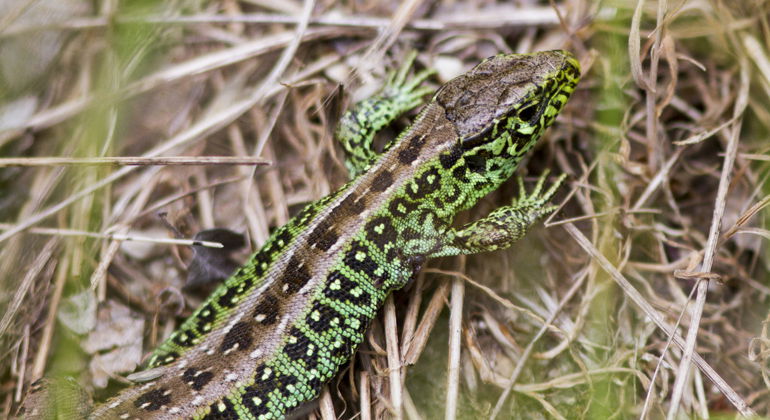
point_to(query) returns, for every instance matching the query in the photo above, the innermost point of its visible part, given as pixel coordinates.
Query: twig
(117, 236)
(134, 161)
(394, 358)
(455, 343)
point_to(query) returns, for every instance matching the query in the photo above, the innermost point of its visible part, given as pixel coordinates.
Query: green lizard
(269, 338)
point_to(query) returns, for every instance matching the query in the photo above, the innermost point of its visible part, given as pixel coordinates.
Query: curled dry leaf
(115, 343)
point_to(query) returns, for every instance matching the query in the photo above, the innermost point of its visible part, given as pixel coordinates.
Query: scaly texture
(275, 332)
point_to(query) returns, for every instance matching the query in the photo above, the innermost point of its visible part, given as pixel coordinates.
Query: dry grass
(656, 259)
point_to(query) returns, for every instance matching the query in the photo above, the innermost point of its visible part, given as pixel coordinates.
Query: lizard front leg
(357, 128)
(504, 226)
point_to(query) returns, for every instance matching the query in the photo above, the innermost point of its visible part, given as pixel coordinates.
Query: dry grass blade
(134, 161)
(757, 52)
(373, 58)
(394, 359)
(713, 241)
(30, 275)
(634, 46)
(457, 296)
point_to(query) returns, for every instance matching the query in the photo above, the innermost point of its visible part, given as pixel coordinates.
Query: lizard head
(506, 101)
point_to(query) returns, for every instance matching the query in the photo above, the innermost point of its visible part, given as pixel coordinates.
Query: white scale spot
(115, 404)
(197, 400)
(256, 354)
(230, 325)
(231, 377)
(260, 317)
(174, 410)
(124, 415)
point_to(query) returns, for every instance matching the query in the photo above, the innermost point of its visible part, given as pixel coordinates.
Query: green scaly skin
(275, 332)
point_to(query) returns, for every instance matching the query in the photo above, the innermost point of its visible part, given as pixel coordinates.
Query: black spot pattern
(476, 163)
(221, 410)
(164, 359)
(459, 173)
(410, 234)
(343, 293)
(206, 316)
(299, 349)
(239, 334)
(423, 216)
(315, 385)
(230, 298)
(426, 184)
(358, 259)
(269, 307)
(262, 387)
(363, 325)
(412, 150)
(261, 262)
(284, 381)
(196, 378)
(401, 207)
(345, 349)
(324, 236)
(382, 181)
(281, 239)
(258, 392)
(380, 231)
(448, 160)
(454, 195)
(351, 204)
(324, 322)
(183, 338)
(154, 399)
(295, 277)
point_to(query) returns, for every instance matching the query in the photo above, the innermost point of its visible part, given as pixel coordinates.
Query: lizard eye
(529, 112)
(532, 112)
